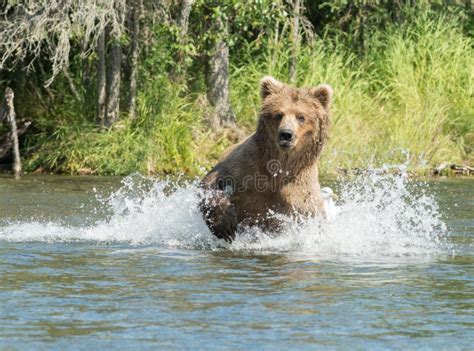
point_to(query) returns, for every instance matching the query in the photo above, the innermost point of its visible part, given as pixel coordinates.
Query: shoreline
(450, 171)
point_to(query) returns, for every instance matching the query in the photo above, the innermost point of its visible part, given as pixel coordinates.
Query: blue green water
(89, 263)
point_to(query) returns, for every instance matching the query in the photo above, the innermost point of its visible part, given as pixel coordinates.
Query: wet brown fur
(256, 175)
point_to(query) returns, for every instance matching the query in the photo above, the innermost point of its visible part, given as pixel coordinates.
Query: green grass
(409, 98)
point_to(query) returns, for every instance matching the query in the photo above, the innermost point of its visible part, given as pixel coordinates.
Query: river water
(101, 263)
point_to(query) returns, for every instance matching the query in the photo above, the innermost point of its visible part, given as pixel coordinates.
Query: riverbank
(406, 99)
(443, 171)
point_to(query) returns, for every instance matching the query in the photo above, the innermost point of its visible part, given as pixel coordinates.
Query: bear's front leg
(217, 209)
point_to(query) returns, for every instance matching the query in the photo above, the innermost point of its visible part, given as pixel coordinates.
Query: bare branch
(33, 28)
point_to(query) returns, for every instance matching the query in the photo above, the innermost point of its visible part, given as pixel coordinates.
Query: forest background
(162, 87)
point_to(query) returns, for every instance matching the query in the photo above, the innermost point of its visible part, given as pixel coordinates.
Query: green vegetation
(403, 91)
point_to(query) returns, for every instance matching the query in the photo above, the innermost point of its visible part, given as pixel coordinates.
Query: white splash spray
(374, 216)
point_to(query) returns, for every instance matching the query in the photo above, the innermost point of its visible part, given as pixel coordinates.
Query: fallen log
(446, 168)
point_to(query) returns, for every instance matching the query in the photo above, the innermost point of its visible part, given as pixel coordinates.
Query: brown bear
(273, 170)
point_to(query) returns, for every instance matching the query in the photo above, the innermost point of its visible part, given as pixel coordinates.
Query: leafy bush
(407, 97)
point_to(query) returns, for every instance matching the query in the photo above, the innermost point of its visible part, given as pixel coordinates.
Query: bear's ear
(323, 93)
(269, 85)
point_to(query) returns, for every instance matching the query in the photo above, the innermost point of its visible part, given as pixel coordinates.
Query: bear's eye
(278, 116)
(301, 118)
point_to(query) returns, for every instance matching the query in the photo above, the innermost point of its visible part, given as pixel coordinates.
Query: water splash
(375, 215)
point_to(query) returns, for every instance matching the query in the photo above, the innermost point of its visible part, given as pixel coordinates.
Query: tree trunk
(114, 63)
(134, 55)
(6, 141)
(8, 112)
(86, 75)
(295, 40)
(101, 81)
(179, 70)
(276, 45)
(218, 81)
(183, 20)
(72, 86)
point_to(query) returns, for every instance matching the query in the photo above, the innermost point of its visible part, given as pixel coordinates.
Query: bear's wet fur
(275, 168)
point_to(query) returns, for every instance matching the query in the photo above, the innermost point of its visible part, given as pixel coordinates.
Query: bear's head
(295, 120)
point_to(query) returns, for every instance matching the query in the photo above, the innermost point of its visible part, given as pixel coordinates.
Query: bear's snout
(286, 138)
(286, 135)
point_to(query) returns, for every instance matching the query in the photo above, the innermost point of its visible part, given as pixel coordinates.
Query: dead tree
(7, 112)
(31, 28)
(6, 141)
(72, 86)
